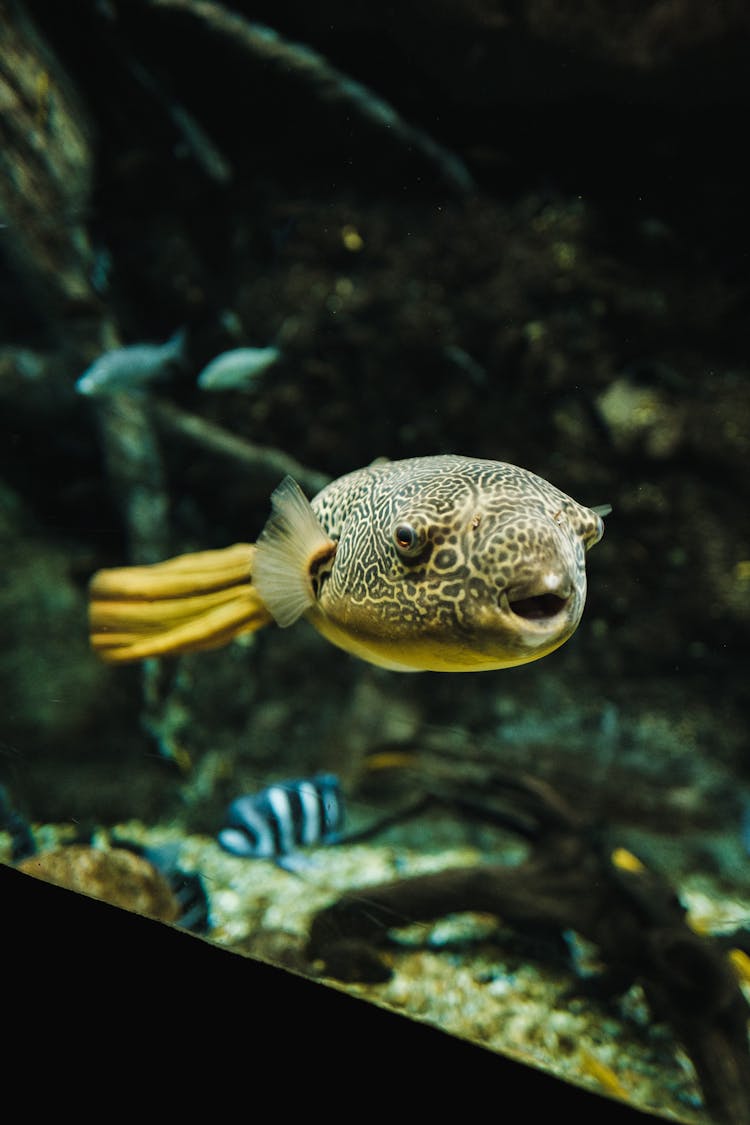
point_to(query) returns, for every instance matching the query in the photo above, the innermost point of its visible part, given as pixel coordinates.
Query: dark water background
(543, 258)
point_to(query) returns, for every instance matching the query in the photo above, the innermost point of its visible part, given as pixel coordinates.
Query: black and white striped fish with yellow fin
(284, 817)
(444, 564)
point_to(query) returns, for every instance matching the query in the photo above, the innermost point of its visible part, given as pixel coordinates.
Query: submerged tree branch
(327, 82)
(259, 458)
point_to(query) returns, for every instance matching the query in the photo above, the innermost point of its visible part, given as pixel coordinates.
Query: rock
(116, 876)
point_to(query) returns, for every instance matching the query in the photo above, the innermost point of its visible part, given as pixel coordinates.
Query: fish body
(433, 563)
(282, 818)
(238, 369)
(186, 886)
(444, 563)
(132, 369)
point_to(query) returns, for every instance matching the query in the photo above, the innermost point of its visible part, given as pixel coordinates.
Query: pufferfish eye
(407, 539)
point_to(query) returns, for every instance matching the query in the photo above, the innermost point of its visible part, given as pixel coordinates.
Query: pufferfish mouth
(545, 599)
(539, 607)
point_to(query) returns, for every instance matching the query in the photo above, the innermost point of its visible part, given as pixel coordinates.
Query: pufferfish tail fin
(185, 604)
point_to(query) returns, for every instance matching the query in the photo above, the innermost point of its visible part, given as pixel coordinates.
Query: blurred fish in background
(284, 817)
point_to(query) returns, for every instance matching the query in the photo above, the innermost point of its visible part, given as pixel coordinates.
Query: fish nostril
(539, 606)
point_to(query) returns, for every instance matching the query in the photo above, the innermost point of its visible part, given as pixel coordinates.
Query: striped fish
(284, 817)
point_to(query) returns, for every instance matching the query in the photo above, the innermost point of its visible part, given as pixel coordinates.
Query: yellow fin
(292, 540)
(626, 861)
(185, 604)
(741, 964)
(603, 1074)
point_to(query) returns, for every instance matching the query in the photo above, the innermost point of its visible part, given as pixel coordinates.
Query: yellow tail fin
(185, 604)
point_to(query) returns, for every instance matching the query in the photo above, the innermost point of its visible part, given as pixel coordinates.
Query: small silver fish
(284, 817)
(132, 369)
(237, 370)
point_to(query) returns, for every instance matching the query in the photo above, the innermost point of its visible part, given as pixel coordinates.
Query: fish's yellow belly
(430, 654)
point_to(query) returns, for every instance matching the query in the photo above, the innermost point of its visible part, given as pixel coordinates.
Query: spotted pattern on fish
(448, 563)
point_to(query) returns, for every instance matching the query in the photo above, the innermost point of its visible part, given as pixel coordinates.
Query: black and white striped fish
(284, 817)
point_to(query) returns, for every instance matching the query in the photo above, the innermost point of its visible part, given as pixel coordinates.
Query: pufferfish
(445, 563)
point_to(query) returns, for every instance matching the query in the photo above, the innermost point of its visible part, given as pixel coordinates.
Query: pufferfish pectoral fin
(292, 544)
(193, 602)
